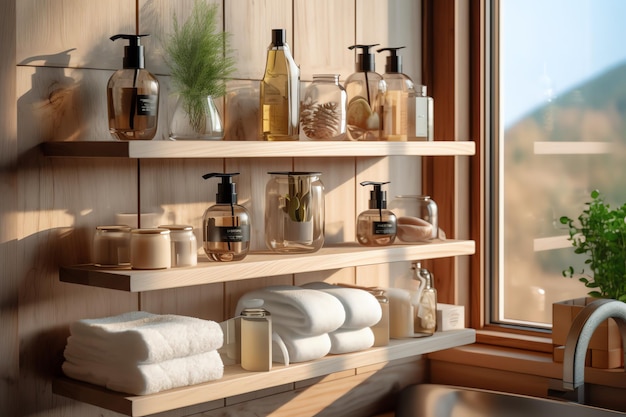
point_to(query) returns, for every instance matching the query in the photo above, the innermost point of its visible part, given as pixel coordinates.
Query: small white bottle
(256, 337)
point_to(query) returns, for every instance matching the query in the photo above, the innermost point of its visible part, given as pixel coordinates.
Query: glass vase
(418, 218)
(294, 212)
(323, 109)
(196, 118)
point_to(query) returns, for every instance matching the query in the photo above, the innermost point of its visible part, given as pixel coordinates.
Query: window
(557, 123)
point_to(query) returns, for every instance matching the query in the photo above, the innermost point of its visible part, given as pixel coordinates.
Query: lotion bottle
(425, 308)
(400, 90)
(365, 89)
(133, 95)
(280, 92)
(376, 226)
(226, 225)
(256, 337)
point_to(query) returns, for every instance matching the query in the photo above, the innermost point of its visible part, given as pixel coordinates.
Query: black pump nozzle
(378, 197)
(394, 61)
(226, 193)
(133, 52)
(365, 61)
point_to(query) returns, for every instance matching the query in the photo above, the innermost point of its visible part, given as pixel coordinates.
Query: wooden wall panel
(73, 33)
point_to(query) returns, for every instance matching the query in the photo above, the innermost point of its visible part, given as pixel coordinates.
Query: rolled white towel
(142, 337)
(304, 311)
(346, 340)
(361, 307)
(301, 348)
(149, 378)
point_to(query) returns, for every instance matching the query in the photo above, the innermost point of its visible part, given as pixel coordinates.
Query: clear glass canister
(323, 109)
(111, 246)
(418, 218)
(294, 212)
(184, 246)
(150, 249)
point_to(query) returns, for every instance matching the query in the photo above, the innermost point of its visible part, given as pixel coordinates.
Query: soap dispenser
(377, 225)
(400, 90)
(256, 336)
(133, 95)
(226, 225)
(365, 89)
(280, 92)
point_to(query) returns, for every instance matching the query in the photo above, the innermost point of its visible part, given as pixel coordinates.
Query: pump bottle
(256, 336)
(133, 95)
(365, 89)
(376, 226)
(400, 90)
(280, 92)
(225, 225)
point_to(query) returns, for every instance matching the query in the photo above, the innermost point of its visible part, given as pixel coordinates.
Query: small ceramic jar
(111, 246)
(150, 249)
(184, 245)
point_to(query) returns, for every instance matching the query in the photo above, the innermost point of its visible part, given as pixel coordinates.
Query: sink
(432, 400)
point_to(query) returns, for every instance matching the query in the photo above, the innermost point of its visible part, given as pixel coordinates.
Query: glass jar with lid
(150, 249)
(418, 218)
(184, 245)
(323, 109)
(294, 212)
(111, 246)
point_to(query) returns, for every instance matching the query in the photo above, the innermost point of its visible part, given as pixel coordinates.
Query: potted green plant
(599, 234)
(198, 56)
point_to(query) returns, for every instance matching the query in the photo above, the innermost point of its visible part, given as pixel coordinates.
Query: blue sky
(550, 46)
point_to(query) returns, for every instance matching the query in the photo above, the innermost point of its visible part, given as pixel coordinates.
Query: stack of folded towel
(302, 318)
(143, 353)
(362, 311)
(318, 318)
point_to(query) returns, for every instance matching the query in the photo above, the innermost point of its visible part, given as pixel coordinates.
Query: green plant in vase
(198, 56)
(600, 235)
(298, 199)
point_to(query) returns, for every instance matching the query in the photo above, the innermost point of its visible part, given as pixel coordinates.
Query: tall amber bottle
(280, 92)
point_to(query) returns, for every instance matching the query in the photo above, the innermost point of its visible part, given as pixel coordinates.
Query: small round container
(111, 246)
(323, 109)
(150, 249)
(418, 218)
(184, 246)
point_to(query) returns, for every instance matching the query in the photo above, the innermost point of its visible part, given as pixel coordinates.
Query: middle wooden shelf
(260, 264)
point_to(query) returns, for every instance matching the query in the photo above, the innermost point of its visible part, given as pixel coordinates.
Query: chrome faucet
(577, 342)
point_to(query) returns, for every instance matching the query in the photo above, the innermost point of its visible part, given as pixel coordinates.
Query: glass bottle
(133, 95)
(294, 212)
(381, 329)
(418, 218)
(425, 319)
(376, 226)
(421, 110)
(226, 224)
(280, 92)
(323, 109)
(256, 337)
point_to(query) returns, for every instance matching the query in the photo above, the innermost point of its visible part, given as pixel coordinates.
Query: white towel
(301, 348)
(345, 341)
(149, 378)
(304, 311)
(361, 307)
(142, 337)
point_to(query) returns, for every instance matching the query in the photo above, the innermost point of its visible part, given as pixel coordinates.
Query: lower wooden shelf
(236, 381)
(261, 264)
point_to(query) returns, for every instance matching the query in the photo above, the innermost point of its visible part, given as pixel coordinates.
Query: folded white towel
(361, 307)
(142, 337)
(345, 341)
(301, 348)
(149, 378)
(304, 311)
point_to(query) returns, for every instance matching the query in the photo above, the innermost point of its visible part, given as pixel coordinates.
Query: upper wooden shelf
(236, 381)
(252, 149)
(261, 264)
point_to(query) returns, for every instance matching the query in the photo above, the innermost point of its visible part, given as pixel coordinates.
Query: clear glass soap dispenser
(225, 225)
(133, 95)
(256, 336)
(376, 226)
(425, 319)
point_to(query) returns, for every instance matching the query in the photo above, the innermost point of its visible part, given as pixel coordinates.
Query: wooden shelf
(236, 381)
(252, 149)
(261, 264)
